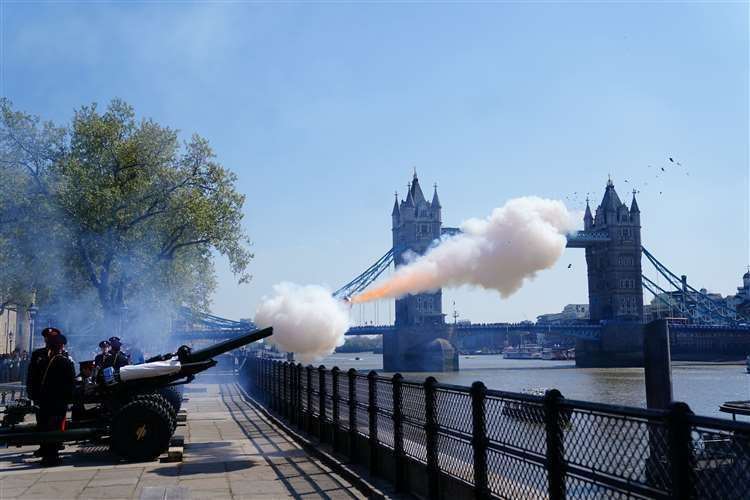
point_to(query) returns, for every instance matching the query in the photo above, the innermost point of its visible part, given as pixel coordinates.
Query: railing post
(293, 392)
(398, 432)
(300, 416)
(262, 379)
(680, 450)
(555, 451)
(372, 411)
(431, 437)
(284, 389)
(479, 439)
(335, 406)
(274, 386)
(277, 379)
(352, 374)
(268, 381)
(322, 434)
(253, 367)
(289, 391)
(308, 424)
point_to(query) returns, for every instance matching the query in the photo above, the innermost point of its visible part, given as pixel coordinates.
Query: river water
(703, 386)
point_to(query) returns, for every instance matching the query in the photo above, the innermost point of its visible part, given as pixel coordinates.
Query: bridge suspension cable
(695, 305)
(366, 278)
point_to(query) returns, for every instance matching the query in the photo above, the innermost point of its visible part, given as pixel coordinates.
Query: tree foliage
(114, 208)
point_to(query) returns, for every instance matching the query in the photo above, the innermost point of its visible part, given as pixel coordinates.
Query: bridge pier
(419, 349)
(620, 345)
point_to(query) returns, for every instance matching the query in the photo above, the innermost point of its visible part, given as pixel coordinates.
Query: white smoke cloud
(306, 320)
(499, 252)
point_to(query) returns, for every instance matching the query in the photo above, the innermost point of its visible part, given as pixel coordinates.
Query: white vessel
(529, 351)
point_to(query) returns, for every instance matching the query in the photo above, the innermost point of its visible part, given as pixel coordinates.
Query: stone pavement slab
(231, 452)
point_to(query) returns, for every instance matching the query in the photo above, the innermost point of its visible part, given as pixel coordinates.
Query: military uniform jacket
(37, 364)
(56, 383)
(99, 360)
(116, 360)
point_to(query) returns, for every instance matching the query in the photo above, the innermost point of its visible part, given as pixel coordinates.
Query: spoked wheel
(141, 430)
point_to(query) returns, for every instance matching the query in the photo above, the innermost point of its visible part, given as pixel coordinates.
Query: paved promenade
(230, 452)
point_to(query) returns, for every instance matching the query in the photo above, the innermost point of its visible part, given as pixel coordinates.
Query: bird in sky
(671, 159)
(570, 265)
(662, 169)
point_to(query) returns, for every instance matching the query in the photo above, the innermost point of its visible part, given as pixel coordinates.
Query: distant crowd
(13, 366)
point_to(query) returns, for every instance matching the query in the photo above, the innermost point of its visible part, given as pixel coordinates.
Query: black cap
(57, 340)
(114, 339)
(50, 332)
(104, 343)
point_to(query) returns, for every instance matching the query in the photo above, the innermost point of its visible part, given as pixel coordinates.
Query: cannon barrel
(209, 352)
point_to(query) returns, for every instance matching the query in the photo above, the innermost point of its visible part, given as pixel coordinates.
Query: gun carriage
(136, 411)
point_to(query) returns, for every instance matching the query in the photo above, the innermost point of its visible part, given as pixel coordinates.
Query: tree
(114, 207)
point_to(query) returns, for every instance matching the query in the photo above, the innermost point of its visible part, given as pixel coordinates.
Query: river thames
(703, 386)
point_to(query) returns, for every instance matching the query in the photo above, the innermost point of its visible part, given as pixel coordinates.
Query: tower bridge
(421, 339)
(611, 238)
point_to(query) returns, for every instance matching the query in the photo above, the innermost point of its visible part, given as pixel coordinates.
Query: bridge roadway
(584, 331)
(231, 452)
(581, 331)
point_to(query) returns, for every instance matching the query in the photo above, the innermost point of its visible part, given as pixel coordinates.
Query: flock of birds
(670, 167)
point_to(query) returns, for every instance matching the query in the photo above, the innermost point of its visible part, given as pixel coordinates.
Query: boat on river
(529, 351)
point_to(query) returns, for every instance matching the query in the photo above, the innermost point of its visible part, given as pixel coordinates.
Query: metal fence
(510, 445)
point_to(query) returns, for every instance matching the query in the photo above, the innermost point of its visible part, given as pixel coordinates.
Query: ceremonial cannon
(135, 408)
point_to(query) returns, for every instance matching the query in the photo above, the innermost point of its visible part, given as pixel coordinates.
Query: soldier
(85, 381)
(116, 358)
(50, 384)
(99, 359)
(39, 358)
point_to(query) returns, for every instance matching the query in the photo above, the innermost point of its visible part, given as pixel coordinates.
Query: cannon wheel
(141, 430)
(173, 396)
(162, 401)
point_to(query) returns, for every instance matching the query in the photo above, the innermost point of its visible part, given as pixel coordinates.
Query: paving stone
(12, 492)
(59, 489)
(67, 475)
(122, 480)
(162, 493)
(19, 480)
(109, 492)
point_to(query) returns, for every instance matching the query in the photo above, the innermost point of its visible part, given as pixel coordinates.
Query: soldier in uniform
(50, 385)
(99, 359)
(116, 358)
(85, 382)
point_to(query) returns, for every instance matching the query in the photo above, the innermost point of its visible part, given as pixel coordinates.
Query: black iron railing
(507, 445)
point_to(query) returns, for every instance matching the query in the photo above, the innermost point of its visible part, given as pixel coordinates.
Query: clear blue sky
(323, 109)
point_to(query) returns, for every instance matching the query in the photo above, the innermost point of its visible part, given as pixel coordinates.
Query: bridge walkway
(231, 452)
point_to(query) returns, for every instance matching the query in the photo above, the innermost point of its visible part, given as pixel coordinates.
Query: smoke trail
(306, 320)
(516, 241)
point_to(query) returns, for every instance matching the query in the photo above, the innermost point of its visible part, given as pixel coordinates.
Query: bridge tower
(419, 342)
(612, 239)
(614, 267)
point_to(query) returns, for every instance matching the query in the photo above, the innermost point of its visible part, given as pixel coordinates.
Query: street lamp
(123, 318)
(32, 314)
